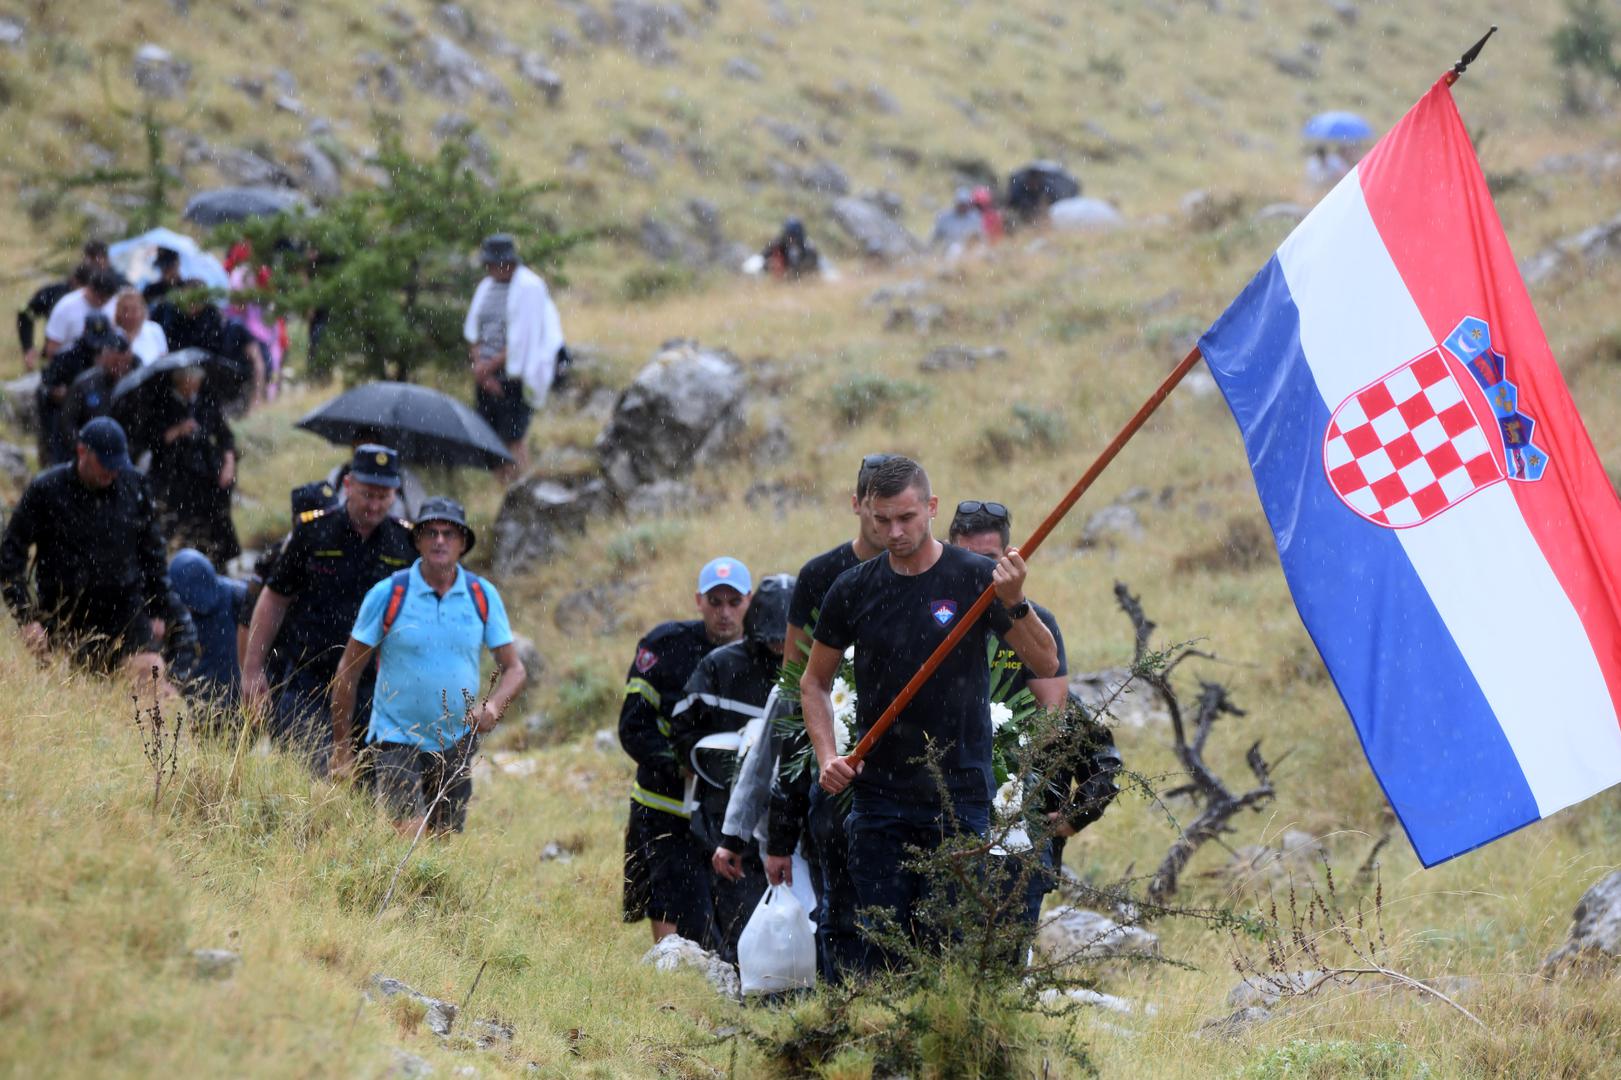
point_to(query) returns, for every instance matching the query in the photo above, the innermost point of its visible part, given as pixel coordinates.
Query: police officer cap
(442, 509)
(376, 464)
(317, 496)
(499, 248)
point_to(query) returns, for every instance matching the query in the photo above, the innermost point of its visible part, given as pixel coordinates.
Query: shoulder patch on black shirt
(645, 659)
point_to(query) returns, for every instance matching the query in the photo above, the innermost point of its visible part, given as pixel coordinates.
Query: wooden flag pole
(1026, 549)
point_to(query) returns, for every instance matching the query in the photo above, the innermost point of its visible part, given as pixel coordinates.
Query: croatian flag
(1451, 540)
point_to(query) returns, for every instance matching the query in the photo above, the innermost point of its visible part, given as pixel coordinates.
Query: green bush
(587, 698)
(651, 282)
(863, 396)
(1584, 47)
(1380, 1059)
(1029, 428)
(638, 544)
(392, 266)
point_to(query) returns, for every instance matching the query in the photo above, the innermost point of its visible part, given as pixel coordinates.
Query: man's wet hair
(81, 274)
(897, 475)
(95, 249)
(973, 524)
(869, 465)
(105, 283)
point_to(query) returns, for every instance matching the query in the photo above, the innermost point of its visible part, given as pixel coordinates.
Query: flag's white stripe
(1521, 637)
(1490, 582)
(1357, 319)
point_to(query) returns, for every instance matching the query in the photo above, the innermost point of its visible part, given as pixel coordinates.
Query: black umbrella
(175, 361)
(224, 205)
(425, 426)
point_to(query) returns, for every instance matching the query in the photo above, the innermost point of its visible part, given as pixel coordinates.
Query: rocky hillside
(1005, 372)
(688, 129)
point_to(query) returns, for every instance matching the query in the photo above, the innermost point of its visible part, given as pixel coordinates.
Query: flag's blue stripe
(1429, 734)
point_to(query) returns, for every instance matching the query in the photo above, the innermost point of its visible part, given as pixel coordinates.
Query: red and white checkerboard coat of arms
(1409, 446)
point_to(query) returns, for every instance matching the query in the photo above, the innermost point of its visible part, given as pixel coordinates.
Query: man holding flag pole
(897, 609)
(1446, 527)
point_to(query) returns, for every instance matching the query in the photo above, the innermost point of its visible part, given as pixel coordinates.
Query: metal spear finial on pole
(1469, 57)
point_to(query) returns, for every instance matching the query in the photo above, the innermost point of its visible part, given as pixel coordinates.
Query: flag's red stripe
(1448, 245)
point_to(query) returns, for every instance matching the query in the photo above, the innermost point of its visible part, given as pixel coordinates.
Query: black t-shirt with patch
(895, 622)
(816, 577)
(1008, 660)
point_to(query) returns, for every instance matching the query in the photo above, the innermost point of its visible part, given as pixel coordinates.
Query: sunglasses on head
(872, 461)
(975, 508)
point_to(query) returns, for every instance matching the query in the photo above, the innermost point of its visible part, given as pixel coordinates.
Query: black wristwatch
(1019, 610)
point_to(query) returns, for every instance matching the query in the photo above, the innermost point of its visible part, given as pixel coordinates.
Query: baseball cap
(725, 571)
(374, 463)
(442, 509)
(105, 438)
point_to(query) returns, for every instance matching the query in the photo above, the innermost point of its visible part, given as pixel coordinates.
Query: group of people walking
(703, 841)
(133, 469)
(360, 634)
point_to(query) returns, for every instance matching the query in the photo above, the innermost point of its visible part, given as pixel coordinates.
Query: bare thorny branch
(1218, 802)
(160, 738)
(1325, 944)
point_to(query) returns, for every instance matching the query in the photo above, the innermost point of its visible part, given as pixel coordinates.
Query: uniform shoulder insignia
(310, 515)
(404, 521)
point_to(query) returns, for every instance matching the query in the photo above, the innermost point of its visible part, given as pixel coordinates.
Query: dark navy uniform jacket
(98, 558)
(728, 688)
(325, 569)
(665, 660)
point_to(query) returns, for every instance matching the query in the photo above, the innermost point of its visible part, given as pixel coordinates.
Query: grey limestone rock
(1071, 934)
(683, 409)
(159, 74)
(1595, 932)
(537, 516)
(676, 952)
(215, 963)
(875, 232)
(440, 1015)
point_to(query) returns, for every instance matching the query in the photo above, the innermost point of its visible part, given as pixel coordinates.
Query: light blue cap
(725, 571)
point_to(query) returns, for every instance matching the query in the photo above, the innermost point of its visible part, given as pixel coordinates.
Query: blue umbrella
(135, 258)
(1338, 127)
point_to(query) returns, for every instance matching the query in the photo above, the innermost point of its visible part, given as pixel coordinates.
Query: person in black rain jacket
(727, 691)
(665, 878)
(101, 583)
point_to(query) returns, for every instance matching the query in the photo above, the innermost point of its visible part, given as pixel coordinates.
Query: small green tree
(390, 265)
(151, 183)
(1584, 48)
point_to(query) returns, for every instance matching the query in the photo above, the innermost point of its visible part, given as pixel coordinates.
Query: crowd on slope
(112, 555)
(359, 634)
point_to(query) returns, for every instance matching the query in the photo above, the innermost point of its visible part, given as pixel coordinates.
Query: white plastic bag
(777, 951)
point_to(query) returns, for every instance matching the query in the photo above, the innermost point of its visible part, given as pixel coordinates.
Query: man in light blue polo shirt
(429, 623)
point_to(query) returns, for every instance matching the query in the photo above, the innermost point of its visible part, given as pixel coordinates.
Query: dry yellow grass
(103, 899)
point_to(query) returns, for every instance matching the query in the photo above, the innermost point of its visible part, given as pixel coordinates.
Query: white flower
(841, 736)
(1001, 713)
(1007, 808)
(844, 700)
(850, 652)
